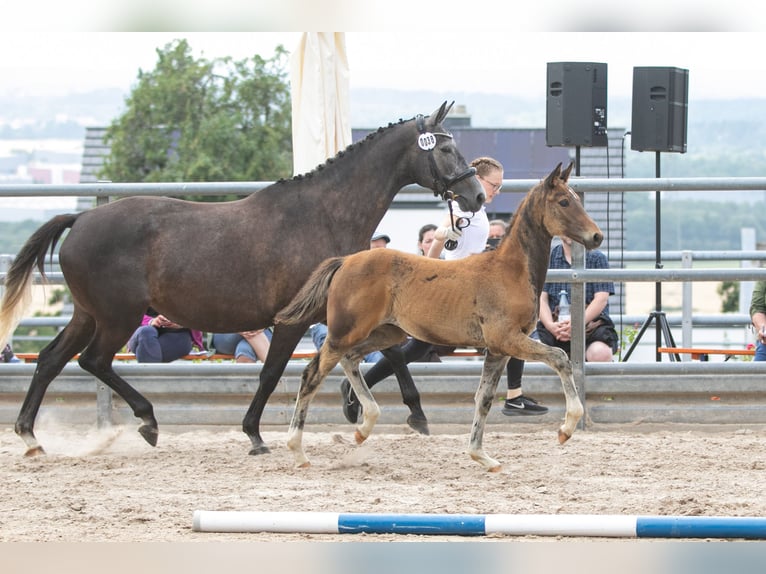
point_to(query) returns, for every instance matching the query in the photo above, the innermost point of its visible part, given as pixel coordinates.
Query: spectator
(426, 238)
(758, 318)
(497, 230)
(379, 240)
(160, 340)
(601, 338)
(7, 355)
(246, 346)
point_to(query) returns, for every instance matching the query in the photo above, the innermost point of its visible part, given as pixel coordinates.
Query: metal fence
(646, 388)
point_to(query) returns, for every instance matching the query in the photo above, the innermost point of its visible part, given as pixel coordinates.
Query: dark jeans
(152, 345)
(413, 350)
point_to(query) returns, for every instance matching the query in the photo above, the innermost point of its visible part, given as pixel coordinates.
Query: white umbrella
(320, 100)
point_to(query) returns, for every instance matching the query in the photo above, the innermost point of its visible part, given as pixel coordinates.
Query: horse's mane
(351, 148)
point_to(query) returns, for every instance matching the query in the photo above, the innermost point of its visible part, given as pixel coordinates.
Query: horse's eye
(564, 203)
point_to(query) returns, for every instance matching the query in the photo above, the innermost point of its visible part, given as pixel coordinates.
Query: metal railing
(585, 374)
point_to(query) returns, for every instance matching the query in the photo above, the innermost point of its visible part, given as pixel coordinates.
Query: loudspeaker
(576, 104)
(660, 103)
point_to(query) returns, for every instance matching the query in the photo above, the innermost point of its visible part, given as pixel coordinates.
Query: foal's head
(564, 214)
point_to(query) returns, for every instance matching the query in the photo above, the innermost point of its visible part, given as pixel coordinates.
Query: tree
(204, 120)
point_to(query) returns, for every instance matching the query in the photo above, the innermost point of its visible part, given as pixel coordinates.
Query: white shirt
(474, 238)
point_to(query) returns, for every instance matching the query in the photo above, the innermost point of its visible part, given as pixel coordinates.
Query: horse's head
(564, 214)
(441, 166)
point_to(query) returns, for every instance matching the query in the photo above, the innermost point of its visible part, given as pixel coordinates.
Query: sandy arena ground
(110, 485)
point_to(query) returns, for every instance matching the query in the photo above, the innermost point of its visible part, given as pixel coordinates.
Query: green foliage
(13, 234)
(39, 336)
(627, 336)
(204, 120)
(689, 223)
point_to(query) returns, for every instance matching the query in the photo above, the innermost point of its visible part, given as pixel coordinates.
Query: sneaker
(351, 406)
(523, 406)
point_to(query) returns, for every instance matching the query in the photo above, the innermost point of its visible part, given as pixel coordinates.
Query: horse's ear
(567, 171)
(438, 116)
(556, 173)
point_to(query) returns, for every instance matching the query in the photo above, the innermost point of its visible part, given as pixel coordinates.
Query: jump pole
(589, 525)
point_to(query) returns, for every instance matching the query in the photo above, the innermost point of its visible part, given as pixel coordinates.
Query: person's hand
(447, 232)
(762, 335)
(563, 330)
(251, 334)
(161, 321)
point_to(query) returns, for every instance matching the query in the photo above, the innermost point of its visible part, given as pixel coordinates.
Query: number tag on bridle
(427, 141)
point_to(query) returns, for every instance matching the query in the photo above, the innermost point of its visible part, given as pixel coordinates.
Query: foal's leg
(370, 408)
(50, 362)
(494, 366)
(311, 379)
(532, 350)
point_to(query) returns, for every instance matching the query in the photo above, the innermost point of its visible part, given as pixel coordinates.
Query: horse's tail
(310, 303)
(18, 281)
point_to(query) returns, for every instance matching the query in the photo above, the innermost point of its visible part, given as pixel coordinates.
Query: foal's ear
(567, 171)
(438, 116)
(556, 173)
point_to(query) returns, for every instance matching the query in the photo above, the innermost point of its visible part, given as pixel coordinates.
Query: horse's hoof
(260, 449)
(149, 433)
(359, 438)
(418, 424)
(34, 451)
(306, 464)
(563, 437)
(497, 468)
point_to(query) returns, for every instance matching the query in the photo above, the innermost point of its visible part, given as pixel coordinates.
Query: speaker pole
(662, 328)
(577, 161)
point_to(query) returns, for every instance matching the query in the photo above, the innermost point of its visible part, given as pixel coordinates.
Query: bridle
(427, 142)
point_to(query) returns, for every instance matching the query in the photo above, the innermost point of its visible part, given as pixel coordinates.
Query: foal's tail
(310, 303)
(18, 281)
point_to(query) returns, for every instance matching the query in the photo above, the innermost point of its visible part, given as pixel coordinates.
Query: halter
(427, 142)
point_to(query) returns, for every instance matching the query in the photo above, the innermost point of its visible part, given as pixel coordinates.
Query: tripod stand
(662, 329)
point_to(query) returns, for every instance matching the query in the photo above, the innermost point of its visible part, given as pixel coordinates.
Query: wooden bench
(32, 357)
(703, 354)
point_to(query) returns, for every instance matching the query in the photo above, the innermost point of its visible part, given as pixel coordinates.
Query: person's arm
(758, 310)
(759, 323)
(446, 231)
(546, 317)
(596, 307)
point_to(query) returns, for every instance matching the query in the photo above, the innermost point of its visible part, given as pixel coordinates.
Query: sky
(721, 64)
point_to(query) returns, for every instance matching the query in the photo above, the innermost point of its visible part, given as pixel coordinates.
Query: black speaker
(576, 104)
(660, 103)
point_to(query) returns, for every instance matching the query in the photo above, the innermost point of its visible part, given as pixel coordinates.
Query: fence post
(103, 393)
(577, 342)
(686, 305)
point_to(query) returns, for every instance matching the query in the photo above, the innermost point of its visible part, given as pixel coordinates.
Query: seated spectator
(160, 340)
(758, 318)
(7, 355)
(601, 339)
(247, 346)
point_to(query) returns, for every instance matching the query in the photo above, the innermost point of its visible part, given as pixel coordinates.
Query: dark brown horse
(222, 267)
(372, 299)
